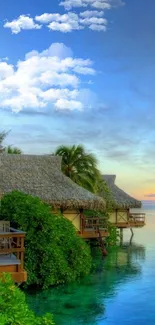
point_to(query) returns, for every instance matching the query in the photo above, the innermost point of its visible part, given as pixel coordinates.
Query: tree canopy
(80, 166)
(54, 253)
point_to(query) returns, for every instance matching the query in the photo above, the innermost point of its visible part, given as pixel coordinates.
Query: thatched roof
(41, 176)
(121, 199)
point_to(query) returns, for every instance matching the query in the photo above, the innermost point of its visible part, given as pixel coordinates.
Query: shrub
(13, 307)
(54, 253)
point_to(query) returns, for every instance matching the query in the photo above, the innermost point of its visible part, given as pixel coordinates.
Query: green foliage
(13, 307)
(80, 166)
(13, 150)
(104, 191)
(100, 214)
(114, 235)
(54, 253)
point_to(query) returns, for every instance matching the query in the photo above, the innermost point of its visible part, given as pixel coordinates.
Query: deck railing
(12, 242)
(93, 223)
(137, 217)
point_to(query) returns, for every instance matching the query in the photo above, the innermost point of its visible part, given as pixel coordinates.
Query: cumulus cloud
(56, 49)
(65, 104)
(97, 4)
(56, 22)
(22, 22)
(67, 22)
(43, 79)
(95, 23)
(91, 13)
(6, 70)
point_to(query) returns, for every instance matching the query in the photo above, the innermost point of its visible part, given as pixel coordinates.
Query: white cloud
(61, 27)
(42, 79)
(91, 13)
(97, 4)
(56, 49)
(22, 22)
(98, 27)
(84, 70)
(64, 104)
(94, 20)
(65, 23)
(46, 18)
(6, 70)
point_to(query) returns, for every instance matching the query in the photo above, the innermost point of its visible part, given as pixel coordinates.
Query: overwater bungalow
(122, 203)
(41, 176)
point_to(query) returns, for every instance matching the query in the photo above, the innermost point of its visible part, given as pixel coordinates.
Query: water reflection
(85, 302)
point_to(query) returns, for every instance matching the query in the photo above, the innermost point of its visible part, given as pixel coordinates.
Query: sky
(82, 72)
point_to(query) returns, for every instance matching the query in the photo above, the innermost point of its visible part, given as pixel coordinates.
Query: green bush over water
(13, 307)
(54, 253)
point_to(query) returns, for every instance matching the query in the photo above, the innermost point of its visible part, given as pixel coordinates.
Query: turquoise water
(120, 291)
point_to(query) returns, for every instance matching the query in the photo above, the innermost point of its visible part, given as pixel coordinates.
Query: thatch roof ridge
(121, 198)
(41, 176)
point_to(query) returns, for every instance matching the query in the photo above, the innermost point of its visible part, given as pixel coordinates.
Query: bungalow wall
(119, 216)
(74, 217)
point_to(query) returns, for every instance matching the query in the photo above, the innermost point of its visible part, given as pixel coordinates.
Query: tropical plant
(80, 166)
(9, 149)
(13, 307)
(54, 253)
(3, 135)
(13, 150)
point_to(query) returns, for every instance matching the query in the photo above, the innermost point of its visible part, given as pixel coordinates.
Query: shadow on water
(84, 302)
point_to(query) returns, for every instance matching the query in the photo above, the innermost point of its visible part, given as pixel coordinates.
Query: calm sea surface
(120, 291)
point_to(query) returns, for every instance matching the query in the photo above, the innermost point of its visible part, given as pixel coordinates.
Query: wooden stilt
(132, 235)
(121, 236)
(101, 243)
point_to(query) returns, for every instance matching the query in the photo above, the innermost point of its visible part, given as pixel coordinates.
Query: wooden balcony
(12, 254)
(93, 227)
(135, 220)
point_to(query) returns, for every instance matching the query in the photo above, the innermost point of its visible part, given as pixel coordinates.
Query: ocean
(121, 290)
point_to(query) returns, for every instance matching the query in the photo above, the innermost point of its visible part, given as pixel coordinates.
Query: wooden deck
(12, 254)
(92, 226)
(92, 234)
(135, 220)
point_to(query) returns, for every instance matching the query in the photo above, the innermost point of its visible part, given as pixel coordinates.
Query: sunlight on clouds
(43, 79)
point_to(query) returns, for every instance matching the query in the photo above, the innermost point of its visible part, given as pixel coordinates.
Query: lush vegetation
(80, 166)
(8, 149)
(13, 150)
(54, 252)
(13, 307)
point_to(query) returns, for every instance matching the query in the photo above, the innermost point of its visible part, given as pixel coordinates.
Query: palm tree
(3, 135)
(80, 166)
(9, 149)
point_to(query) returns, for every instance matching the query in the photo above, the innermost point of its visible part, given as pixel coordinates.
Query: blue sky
(82, 71)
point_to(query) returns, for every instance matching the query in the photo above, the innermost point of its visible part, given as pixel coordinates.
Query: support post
(132, 235)
(121, 236)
